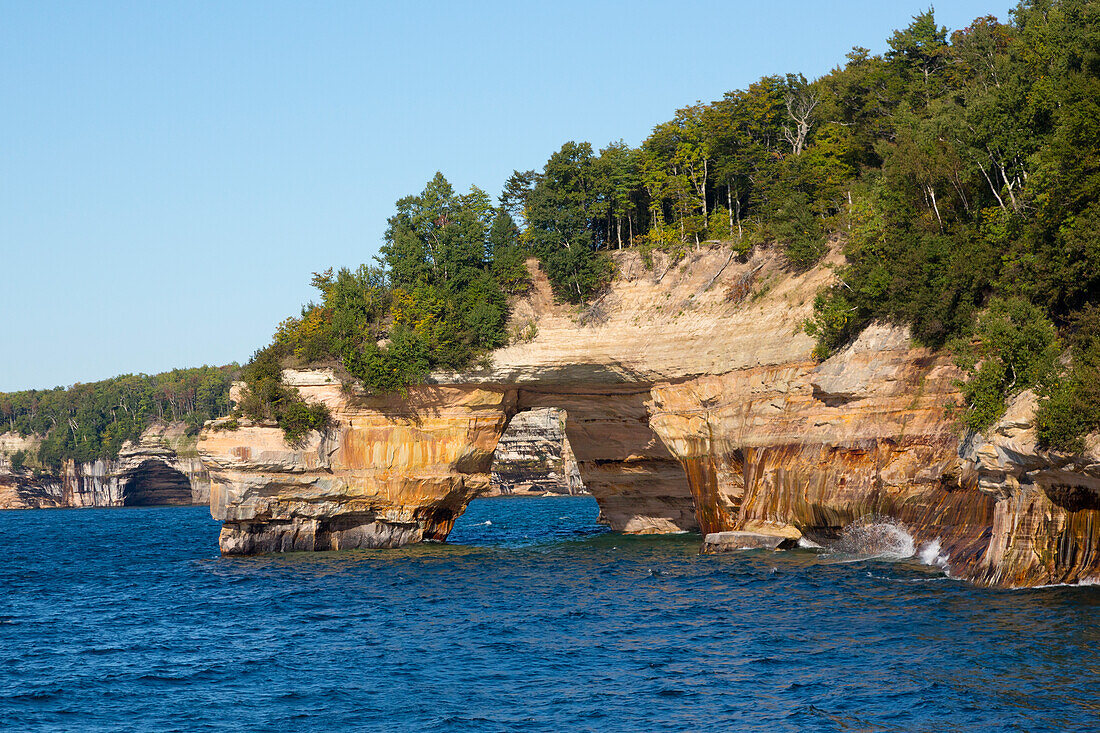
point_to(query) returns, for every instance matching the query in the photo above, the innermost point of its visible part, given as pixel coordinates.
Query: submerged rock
(718, 542)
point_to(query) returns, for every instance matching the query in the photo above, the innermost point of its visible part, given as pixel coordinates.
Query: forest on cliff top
(960, 172)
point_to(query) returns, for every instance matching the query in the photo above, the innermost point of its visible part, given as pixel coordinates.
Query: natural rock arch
(640, 486)
(534, 457)
(155, 483)
(401, 469)
(691, 405)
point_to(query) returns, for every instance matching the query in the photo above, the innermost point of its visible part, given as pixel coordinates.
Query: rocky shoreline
(162, 469)
(692, 403)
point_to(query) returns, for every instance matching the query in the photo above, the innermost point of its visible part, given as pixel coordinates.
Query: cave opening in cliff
(534, 458)
(155, 483)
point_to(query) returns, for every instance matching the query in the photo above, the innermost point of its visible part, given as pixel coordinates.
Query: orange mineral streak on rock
(688, 409)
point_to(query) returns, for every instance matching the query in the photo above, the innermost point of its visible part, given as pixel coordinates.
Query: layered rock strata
(162, 469)
(534, 458)
(693, 403)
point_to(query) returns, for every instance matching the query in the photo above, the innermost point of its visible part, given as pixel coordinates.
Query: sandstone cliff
(533, 457)
(162, 468)
(693, 404)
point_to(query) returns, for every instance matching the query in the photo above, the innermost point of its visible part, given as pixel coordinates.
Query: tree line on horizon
(87, 422)
(959, 171)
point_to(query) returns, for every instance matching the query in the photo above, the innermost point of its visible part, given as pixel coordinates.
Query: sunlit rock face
(162, 469)
(693, 404)
(396, 470)
(393, 470)
(807, 449)
(1046, 523)
(813, 448)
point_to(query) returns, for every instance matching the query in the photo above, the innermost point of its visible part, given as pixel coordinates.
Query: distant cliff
(533, 457)
(162, 468)
(692, 403)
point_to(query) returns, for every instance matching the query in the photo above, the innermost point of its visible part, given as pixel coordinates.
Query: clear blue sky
(171, 173)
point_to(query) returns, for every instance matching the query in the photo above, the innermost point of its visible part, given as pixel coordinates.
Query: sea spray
(931, 554)
(875, 537)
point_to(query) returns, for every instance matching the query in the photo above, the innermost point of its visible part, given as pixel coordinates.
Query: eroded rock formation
(693, 404)
(162, 469)
(534, 458)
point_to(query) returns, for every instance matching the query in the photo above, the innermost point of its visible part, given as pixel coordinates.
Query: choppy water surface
(534, 618)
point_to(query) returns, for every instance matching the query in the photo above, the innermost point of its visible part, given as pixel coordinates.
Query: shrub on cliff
(1015, 348)
(266, 397)
(436, 300)
(1072, 405)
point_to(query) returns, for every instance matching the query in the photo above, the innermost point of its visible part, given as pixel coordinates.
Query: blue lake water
(532, 618)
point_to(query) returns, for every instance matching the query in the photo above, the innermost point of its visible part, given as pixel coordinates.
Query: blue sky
(171, 173)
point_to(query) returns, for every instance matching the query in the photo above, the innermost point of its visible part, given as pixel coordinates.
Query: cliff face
(692, 403)
(162, 468)
(394, 471)
(533, 457)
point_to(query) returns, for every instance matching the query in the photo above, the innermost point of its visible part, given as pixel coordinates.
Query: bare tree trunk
(957, 183)
(1008, 186)
(703, 191)
(932, 194)
(729, 207)
(740, 231)
(1004, 177)
(800, 109)
(720, 271)
(993, 188)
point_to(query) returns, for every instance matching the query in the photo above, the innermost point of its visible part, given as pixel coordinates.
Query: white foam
(931, 554)
(876, 537)
(1082, 583)
(808, 544)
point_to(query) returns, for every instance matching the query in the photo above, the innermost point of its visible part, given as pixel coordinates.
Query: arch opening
(534, 458)
(640, 487)
(155, 483)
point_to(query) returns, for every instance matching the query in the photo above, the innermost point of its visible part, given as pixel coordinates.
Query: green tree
(560, 211)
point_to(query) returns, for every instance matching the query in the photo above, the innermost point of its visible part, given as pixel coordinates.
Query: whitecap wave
(1082, 583)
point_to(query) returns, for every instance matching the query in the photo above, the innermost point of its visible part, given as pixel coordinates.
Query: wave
(931, 554)
(875, 538)
(1082, 583)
